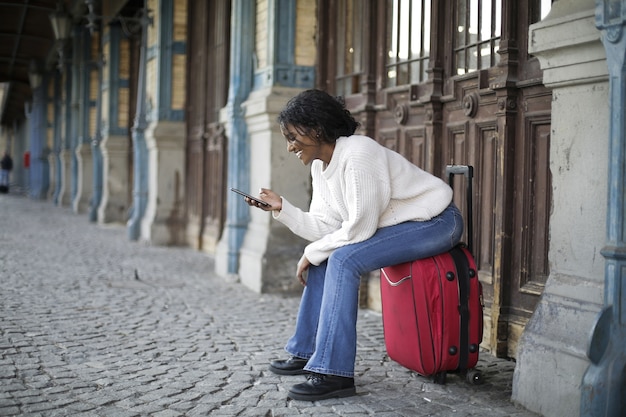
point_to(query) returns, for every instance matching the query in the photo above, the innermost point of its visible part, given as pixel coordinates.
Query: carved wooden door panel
(491, 111)
(209, 43)
(496, 116)
(529, 172)
(450, 82)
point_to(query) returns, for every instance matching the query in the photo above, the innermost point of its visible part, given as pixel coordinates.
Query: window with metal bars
(477, 35)
(478, 30)
(350, 36)
(408, 42)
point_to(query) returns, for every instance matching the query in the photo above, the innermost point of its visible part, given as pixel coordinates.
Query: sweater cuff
(316, 257)
(286, 213)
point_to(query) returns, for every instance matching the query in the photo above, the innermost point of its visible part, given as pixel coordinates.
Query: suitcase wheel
(440, 378)
(474, 377)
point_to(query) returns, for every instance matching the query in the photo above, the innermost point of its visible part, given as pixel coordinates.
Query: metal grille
(408, 42)
(478, 30)
(349, 46)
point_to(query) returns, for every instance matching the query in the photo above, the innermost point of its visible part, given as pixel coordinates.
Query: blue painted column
(140, 150)
(603, 389)
(83, 151)
(115, 145)
(75, 112)
(57, 139)
(66, 154)
(241, 80)
(268, 256)
(96, 139)
(38, 157)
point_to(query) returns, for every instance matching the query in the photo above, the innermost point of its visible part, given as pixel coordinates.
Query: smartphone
(261, 202)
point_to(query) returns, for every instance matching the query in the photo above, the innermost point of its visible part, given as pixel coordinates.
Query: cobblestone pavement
(92, 324)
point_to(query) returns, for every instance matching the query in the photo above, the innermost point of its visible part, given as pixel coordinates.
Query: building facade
(150, 118)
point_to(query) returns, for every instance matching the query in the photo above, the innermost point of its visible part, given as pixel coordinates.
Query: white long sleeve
(365, 187)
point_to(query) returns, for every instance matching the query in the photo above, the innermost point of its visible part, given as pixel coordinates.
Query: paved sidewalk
(92, 324)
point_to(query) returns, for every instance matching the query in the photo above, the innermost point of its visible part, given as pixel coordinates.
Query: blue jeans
(4, 177)
(326, 325)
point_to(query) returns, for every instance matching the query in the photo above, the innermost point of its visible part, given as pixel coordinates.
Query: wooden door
(209, 47)
(450, 82)
(527, 222)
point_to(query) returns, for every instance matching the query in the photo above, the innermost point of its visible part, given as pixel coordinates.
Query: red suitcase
(433, 311)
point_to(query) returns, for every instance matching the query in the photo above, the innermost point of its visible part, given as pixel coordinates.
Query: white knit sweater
(365, 187)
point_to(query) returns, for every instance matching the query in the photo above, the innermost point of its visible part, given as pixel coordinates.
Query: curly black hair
(319, 115)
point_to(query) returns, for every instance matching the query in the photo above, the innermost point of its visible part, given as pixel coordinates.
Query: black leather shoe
(320, 387)
(291, 366)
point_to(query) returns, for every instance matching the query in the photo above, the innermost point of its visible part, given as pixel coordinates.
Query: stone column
(38, 155)
(603, 391)
(84, 157)
(115, 179)
(55, 154)
(140, 151)
(52, 175)
(66, 177)
(270, 251)
(84, 179)
(240, 85)
(65, 161)
(115, 145)
(551, 358)
(163, 222)
(96, 136)
(266, 251)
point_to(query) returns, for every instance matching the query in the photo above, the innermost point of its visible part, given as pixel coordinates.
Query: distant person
(6, 165)
(371, 208)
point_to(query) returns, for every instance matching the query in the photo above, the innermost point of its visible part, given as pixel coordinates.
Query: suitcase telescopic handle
(468, 172)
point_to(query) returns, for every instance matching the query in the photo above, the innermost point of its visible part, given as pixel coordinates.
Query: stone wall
(551, 358)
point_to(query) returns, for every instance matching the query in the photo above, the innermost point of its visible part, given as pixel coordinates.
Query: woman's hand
(303, 265)
(274, 200)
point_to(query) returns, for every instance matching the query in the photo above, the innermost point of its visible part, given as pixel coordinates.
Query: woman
(370, 208)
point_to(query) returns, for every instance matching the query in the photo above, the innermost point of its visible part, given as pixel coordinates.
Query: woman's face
(306, 148)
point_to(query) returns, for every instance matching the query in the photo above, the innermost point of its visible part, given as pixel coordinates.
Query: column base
(270, 252)
(84, 178)
(116, 180)
(551, 358)
(164, 220)
(64, 197)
